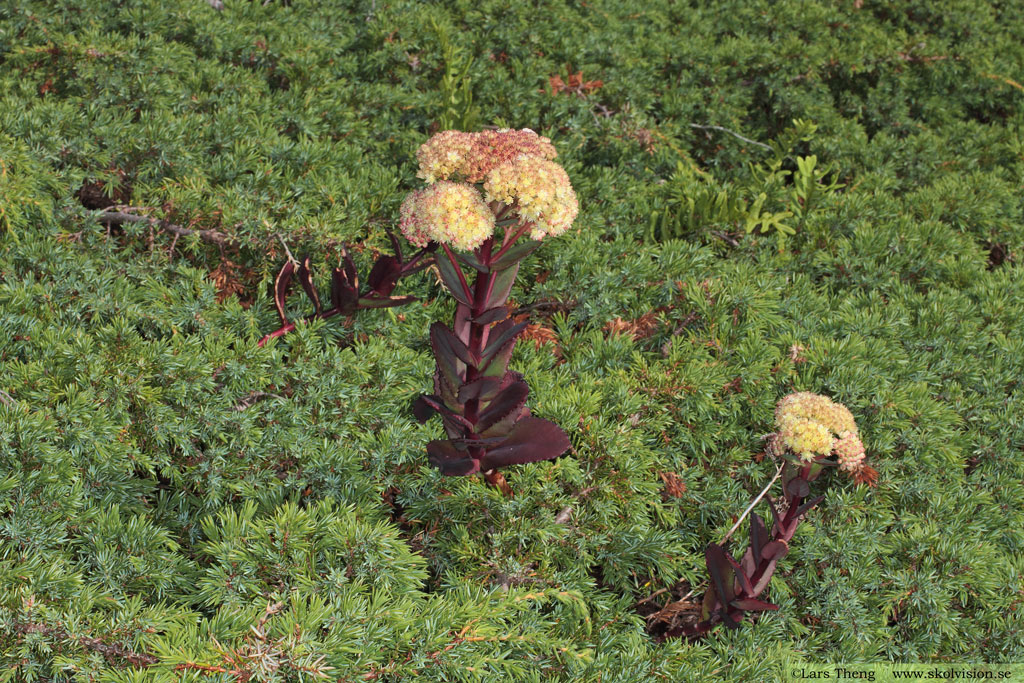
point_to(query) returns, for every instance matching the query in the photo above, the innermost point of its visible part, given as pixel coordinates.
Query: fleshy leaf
(754, 605)
(775, 512)
(500, 335)
(304, 273)
(758, 534)
(450, 460)
(742, 579)
(798, 487)
(503, 280)
(422, 410)
(492, 315)
(514, 255)
(483, 388)
(350, 269)
(531, 440)
(435, 403)
(774, 550)
(385, 302)
(343, 295)
(396, 246)
(281, 284)
(447, 363)
(498, 365)
(448, 343)
(450, 277)
(808, 505)
(721, 572)
(508, 402)
(470, 259)
(384, 275)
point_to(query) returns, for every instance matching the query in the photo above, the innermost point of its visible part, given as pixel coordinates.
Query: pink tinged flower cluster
(455, 155)
(453, 213)
(515, 168)
(812, 425)
(850, 452)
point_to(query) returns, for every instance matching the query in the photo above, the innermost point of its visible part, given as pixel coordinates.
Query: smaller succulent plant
(346, 297)
(810, 429)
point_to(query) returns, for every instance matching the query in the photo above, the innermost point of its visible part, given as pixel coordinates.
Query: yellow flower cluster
(818, 408)
(806, 438)
(454, 155)
(812, 425)
(542, 191)
(453, 213)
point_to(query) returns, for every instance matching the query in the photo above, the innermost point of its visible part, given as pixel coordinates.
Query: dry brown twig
(120, 214)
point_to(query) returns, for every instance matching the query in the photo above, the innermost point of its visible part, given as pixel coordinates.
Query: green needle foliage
(179, 503)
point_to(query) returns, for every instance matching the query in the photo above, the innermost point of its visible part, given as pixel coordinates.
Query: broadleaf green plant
(492, 197)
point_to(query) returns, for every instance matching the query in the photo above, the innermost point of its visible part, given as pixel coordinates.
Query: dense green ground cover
(150, 514)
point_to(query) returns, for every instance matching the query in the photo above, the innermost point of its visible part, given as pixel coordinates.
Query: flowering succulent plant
(810, 428)
(491, 198)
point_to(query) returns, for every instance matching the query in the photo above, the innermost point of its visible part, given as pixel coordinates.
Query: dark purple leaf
(741, 578)
(709, 605)
(453, 429)
(774, 550)
(447, 363)
(508, 402)
(281, 284)
(808, 505)
(344, 297)
(483, 388)
(503, 281)
(396, 246)
(450, 277)
(505, 424)
(386, 302)
(798, 488)
(766, 576)
(384, 275)
(775, 512)
(531, 440)
(491, 315)
(721, 572)
(461, 325)
(422, 410)
(350, 269)
(451, 345)
(447, 391)
(758, 534)
(438, 405)
(304, 274)
(470, 259)
(514, 255)
(474, 441)
(450, 460)
(753, 605)
(498, 366)
(505, 331)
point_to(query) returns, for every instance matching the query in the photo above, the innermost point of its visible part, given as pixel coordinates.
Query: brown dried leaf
(674, 486)
(641, 328)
